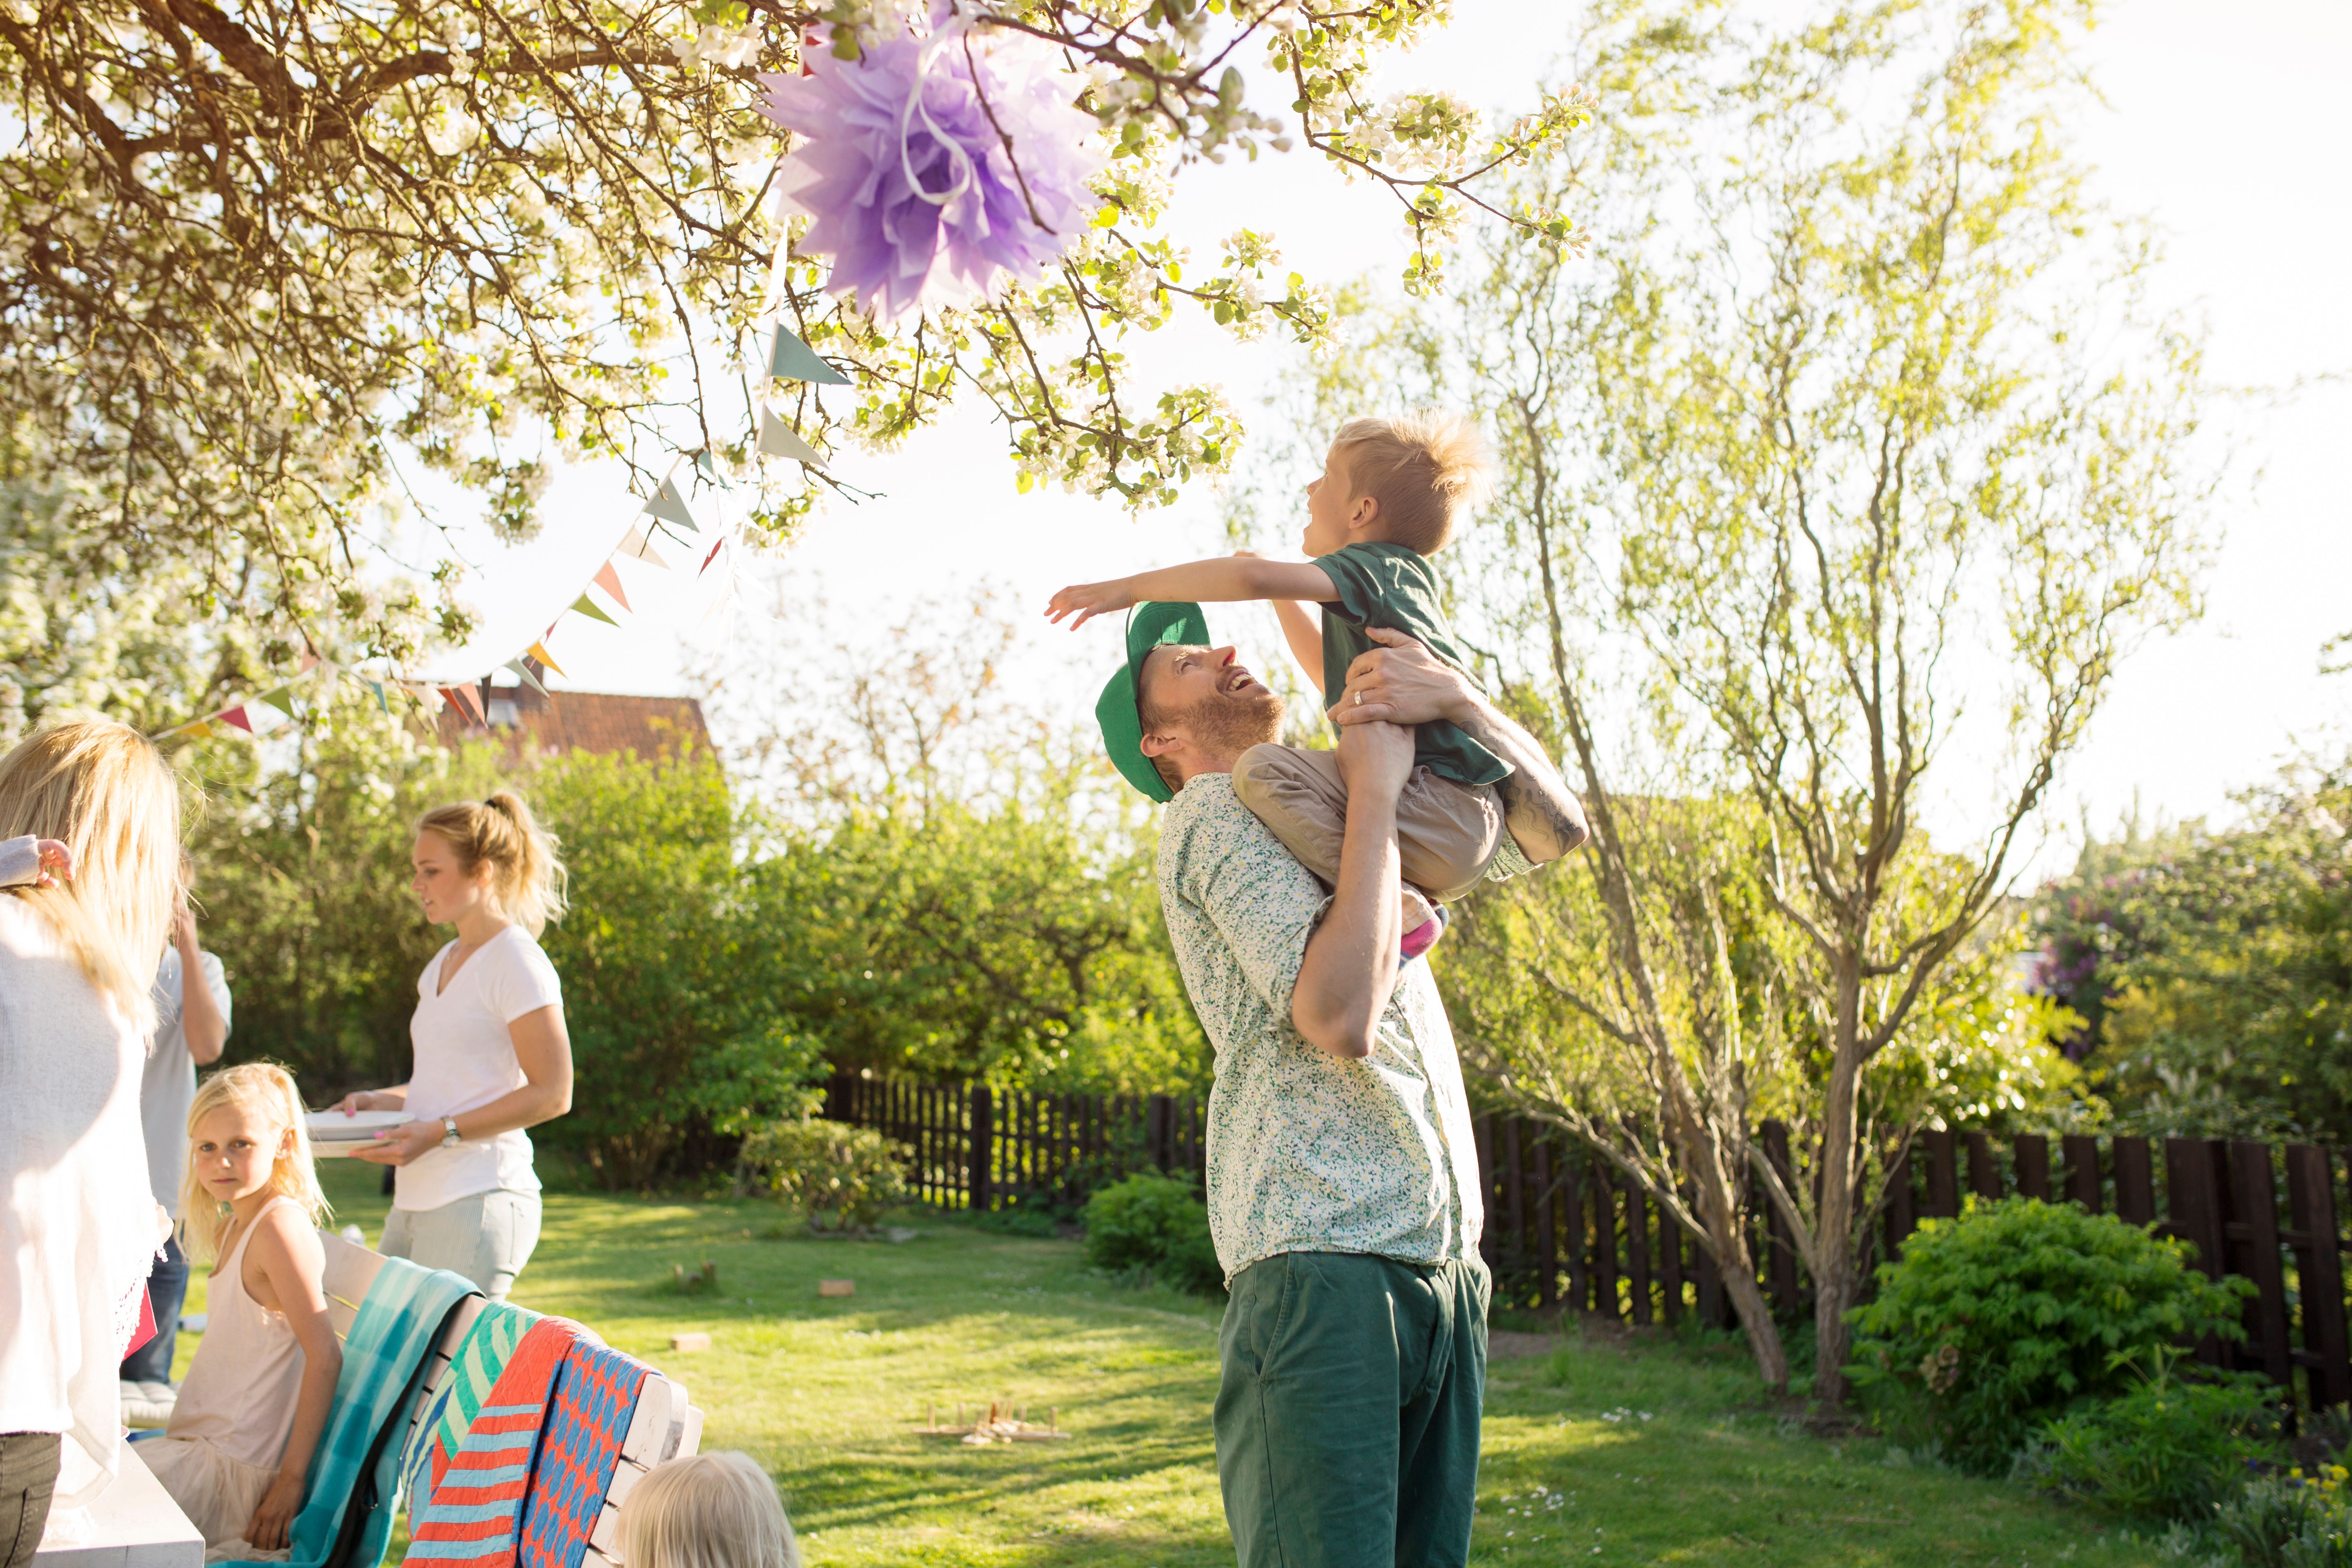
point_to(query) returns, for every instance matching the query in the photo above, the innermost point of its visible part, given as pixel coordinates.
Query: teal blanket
(355, 1476)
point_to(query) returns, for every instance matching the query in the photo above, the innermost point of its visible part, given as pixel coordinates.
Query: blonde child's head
(1427, 471)
(710, 1511)
(245, 1134)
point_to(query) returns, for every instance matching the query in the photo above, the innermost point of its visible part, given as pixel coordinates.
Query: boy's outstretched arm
(1226, 580)
(1298, 630)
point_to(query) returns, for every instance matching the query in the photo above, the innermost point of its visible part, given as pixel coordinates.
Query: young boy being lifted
(1391, 496)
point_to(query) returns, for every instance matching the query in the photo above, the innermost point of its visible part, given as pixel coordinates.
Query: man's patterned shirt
(1308, 1152)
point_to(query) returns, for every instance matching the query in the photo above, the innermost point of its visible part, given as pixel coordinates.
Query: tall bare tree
(1856, 414)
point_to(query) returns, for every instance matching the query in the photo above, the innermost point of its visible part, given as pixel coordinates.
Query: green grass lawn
(1600, 1452)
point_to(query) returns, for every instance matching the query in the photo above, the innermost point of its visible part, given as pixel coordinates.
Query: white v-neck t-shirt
(466, 1058)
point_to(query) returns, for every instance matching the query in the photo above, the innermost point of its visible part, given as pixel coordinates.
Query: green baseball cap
(1149, 624)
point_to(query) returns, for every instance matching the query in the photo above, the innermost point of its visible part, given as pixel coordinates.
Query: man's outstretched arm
(1352, 961)
(1402, 682)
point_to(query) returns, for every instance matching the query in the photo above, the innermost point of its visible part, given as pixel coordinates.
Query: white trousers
(486, 1237)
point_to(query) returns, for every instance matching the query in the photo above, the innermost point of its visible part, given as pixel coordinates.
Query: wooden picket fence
(983, 1148)
(1566, 1231)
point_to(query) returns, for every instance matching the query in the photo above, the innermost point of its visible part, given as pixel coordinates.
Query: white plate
(333, 1135)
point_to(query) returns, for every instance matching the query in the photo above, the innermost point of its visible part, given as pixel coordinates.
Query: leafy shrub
(2006, 1317)
(2171, 1447)
(1157, 1224)
(840, 1178)
(2290, 1521)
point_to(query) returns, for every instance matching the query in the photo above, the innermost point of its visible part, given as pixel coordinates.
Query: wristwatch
(449, 1139)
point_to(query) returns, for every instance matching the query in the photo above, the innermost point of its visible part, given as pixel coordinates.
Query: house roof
(599, 722)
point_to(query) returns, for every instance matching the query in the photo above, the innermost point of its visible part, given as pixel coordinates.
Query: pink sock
(1424, 937)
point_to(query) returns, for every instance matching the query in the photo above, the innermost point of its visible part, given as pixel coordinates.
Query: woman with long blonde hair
(236, 1455)
(492, 1055)
(80, 938)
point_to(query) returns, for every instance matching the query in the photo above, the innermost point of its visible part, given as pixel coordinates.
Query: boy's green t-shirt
(1395, 588)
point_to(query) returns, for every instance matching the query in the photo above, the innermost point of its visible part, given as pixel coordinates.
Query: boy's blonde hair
(267, 1089)
(105, 791)
(1427, 469)
(709, 1510)
(526, 878)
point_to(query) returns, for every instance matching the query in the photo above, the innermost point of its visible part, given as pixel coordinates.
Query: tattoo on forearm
(1531, 810)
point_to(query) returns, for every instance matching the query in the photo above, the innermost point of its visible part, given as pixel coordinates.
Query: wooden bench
(665, 1426)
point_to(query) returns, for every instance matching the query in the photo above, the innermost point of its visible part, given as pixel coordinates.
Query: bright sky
(2221, 128)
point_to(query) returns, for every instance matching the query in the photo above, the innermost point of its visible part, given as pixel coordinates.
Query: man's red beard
(1227, 723)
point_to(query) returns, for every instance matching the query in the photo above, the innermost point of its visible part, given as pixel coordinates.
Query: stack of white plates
(334, 1135)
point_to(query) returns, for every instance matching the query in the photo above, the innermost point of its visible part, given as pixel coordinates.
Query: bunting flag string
(637, 547)
(666, 506)
(610, 580)
(469, 697)
(584, 605)
(778, 439)
(793, 360)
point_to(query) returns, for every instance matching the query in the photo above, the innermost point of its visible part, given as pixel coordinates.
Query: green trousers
(1348, 1411)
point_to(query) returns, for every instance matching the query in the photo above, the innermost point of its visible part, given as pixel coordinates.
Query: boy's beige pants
(1447, 832)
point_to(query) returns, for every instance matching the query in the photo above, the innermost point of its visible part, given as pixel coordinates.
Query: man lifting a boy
(1299, 887)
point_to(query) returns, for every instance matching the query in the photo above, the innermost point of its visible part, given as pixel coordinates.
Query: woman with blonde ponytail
(491, 1054)
(89, 856)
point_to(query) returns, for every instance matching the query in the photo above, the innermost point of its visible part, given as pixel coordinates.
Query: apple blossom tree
(263, 259)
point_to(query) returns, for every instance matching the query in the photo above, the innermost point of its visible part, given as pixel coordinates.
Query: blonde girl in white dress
(237, 1456)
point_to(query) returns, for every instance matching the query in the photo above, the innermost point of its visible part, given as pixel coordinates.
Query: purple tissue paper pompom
(906, 177)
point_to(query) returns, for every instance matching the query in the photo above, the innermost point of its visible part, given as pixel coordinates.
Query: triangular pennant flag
(778, 439)
(709, 466)
(587, 606)
(610, 580)
(523, 670)
(202, 729)
(538, 650)
(282, 700)
(469, 698)
(670, 507)
(377, 687)
(235, 716)
(722, 603)
(793, 360)
(713, 555)
(637, 547)
(309, 662)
